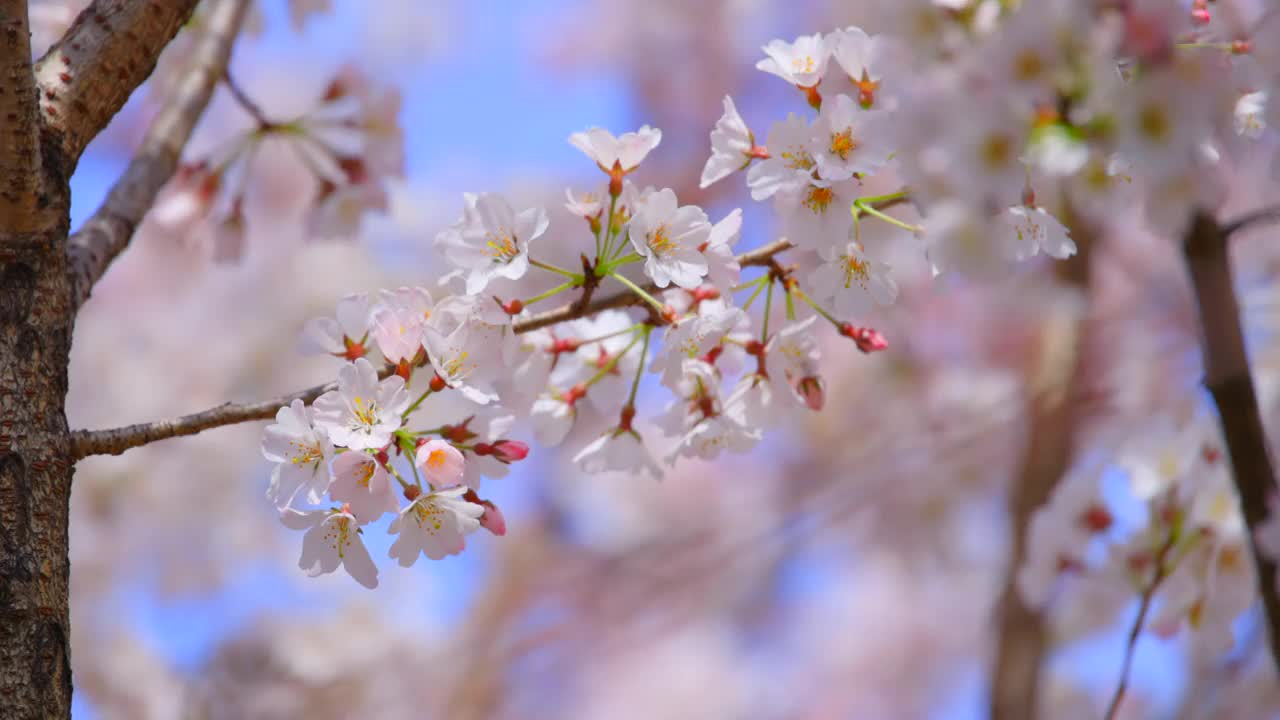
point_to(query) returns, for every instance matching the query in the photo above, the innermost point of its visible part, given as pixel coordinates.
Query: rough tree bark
(49, 112)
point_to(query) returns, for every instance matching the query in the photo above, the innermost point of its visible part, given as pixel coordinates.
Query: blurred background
(851, 567)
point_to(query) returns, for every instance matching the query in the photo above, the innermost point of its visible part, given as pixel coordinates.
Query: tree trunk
(36, 320)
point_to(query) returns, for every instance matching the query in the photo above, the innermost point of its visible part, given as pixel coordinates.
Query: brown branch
(87, 76)
(20, 161)
(116, 440)
(108, 232)
(1226, 370)
(1057, 376)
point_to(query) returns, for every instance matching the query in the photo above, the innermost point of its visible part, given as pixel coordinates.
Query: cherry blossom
(440, 462)
(363, 412)
(332, 540)
(624, 152)
(302, 452)
(801, 63)
(364, 486)
(850, 279)
(343, 336)
(731, 146)
(491, 240)
(618, 450)
(848, 140)
(791, 162)
(435, 524)
(668, 237)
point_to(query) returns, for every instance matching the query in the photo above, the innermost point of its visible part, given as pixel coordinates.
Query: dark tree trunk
(35, 474)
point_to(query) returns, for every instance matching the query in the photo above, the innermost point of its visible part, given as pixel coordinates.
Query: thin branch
(247, 103)
(108, 232)
(1144, 607)
(116, 440)
(87, 76)
(1226, 369)
(20, 161)
(1263, 216)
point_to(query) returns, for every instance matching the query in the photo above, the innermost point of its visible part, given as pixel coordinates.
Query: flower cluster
(385, 433)
(1049, 99)
(350, 143)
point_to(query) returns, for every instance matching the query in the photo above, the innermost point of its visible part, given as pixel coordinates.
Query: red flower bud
(438, 384)
(412, 492)
(509, 451)
(867, 339)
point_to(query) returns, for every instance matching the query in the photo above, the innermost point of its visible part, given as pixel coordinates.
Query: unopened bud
(492, 519)
(812, 390)
(867, 339)
(509, 451)
(706, 292)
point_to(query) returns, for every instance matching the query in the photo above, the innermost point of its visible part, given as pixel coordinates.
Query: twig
(1144, 606)
(246, 102)
(109, 231)
(1226, 369)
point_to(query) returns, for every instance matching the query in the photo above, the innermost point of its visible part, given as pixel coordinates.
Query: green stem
(884, 198)
(607, 230)
(752, 283)
(613, 362)
(639, 291)
(860, 205)
(768, 305)
(754, 295)
(611, 335)
(555, 269)
(394, 473)
(644, 350)
(817, 308)
(414, 406)
(553, 291)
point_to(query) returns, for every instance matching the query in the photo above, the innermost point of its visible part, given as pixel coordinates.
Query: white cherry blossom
(624, 152)
(618, 450)
(301, 452)
(791, 161)
(440, 462)
(802, 62)
(731, 145)
(491, 240)
(364, 485)
(852, 279)
(848, 140)
(332, 541)
(338, 336)
(435, 524)
(363, 412)
(668, 237)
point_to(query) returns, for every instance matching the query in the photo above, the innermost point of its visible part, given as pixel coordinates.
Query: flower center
(304, 454)
(818, 199)
(855, 270)
(660, 242)
(843, 143)
(430, 517)
(366, 415)
(798, 158)
(501, 246)
(437, 459)
(366, 474)
(804, 64)
(1153, 121)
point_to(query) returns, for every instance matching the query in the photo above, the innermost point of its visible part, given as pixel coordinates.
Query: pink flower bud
(867, 339)
(509, 451)
(812, 390)
(492, 519)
